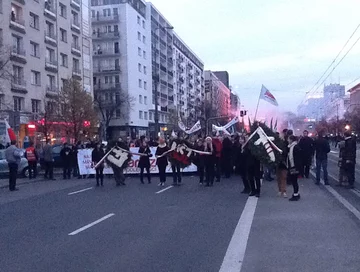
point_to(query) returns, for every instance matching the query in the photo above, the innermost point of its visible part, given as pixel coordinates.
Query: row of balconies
(99, 19)
(105, 35)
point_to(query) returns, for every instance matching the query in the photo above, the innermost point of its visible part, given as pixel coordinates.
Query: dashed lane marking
(83, 190)
(91, 224)
(165, 189)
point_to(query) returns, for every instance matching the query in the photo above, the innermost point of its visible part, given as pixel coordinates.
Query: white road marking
(235, 253)
(91, 224)
(163, 190)
(335, 152)
(341, 199)
(83, 190)
(355, 191)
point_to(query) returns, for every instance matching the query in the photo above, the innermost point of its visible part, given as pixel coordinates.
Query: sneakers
(161, 184)
(295, 198)
(284, 195)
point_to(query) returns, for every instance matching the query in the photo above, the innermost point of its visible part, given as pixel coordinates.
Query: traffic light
(243, 113)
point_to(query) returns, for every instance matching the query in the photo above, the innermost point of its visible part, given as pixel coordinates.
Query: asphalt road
(73, 226)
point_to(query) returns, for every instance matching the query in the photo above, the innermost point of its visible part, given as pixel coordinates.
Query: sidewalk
(316, 233)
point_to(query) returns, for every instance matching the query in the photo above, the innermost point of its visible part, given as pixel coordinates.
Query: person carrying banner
(144, 161)
(96, 155)
(118, 170)
(162, 160)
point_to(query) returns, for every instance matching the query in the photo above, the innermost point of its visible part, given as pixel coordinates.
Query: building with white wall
(122, 61)
(47, 42)
(217, 96)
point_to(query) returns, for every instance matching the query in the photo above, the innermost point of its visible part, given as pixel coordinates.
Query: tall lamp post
(156, 79)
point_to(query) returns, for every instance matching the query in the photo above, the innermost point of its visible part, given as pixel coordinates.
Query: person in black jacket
(349, 159)
(226, 157)
(322, 148)
(306, 144)
(294, 165)
(209, 161)
(199, 160)
(240, 163)
(96, 155)
(66, 159)
(254, 172)
(162, 160)
(144, 161)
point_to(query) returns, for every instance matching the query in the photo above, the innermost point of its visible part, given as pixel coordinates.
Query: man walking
(322, 148)
(49, 161)
(66, 159)
(349, 159)
(13, 157)
(32, 157)
(306, 145)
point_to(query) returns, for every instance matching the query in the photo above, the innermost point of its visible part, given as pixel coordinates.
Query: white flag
(268, 96)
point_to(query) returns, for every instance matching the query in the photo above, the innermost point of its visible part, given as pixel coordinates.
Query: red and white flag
(268, 96)
(11, 136)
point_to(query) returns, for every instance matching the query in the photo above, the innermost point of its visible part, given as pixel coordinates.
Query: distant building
(354, 98)
(217, 96)
(224, 77)
(312, 108)
(234, 104)
(338, 108)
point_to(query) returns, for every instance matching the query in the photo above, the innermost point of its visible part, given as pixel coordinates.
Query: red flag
(268, 96)
(10, 132)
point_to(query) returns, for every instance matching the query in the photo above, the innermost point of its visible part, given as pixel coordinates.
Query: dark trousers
(294, 182)
(75, 170)
(66, 171)
(245, 182)
(176, 170)
(217, 172)
(305, 169)
(321, 164)
(162, 172)
(13, 169)
(209, 173)
(100, 174)
(119, 175)
(200, 171)
(350, 173)
(32, 169)
(147, 174)
(49, 170)
(227, 167)
(255, 183)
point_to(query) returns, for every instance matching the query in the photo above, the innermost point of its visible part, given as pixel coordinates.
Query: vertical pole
(257, 108)
(156, 117)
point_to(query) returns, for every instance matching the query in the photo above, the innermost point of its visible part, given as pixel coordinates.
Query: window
(139, 51)
(17, 44)
(34, 21)
(144, 70)
(115, 11)
(145, 100)
(144, 39)
(18, 103)
(143, 24)
(118, 113)
(93, 13)
(64, 60)
(150, 115)
(140, 114)
(139, 67)
(76, 65)
(50, 55)
(34, 49)
(51, 81)
(144, 54)
(18, 73)
(62, 10)
(145, 115)
(75, 41)
(35, 78)
(35, 106)
(106, 12)
(50, 30)
(63, 35)
(75, 18)
(145, 85)
(140, 83)
(138, 20)
(139, 36)
(140, 99)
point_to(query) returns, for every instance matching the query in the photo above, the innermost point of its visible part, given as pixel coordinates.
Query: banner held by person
(192, 130)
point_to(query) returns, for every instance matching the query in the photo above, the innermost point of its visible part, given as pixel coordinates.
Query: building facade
(354, 98)
(122, 63)
(224, 77)
(217, 100)
(47, 42)
(235, 104)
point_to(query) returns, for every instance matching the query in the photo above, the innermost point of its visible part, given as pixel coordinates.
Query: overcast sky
(284, 44)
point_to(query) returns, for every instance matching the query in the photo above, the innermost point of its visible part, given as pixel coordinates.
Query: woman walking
(96, 155)
(209, 161)
(144, 161)
(162, 160)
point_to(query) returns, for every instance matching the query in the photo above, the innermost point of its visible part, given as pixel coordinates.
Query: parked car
(23, 169)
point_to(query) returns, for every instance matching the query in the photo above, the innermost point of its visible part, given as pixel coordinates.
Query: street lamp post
(156, 79)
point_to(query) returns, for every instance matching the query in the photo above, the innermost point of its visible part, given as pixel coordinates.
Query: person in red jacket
(32, 157)
(218, 147)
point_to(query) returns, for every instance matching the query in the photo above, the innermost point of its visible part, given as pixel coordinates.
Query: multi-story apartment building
(177, 74)
(235, 104)
(217, 96)
(122, 62)
(47, 41)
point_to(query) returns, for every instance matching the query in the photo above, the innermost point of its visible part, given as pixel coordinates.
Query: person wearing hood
(209, 161)
(294, 165)
(162, 160)
(144, 161)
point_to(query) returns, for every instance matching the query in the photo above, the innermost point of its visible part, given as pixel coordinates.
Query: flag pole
(257, 108)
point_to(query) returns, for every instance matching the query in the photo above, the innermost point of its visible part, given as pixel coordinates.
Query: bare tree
(110, 104)
(76, 108)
